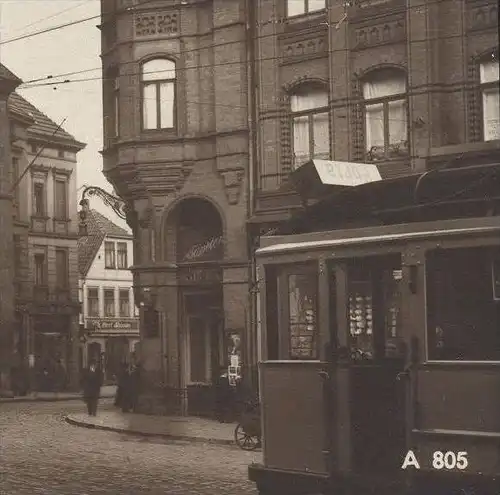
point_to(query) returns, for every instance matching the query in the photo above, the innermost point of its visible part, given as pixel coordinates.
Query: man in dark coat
(92, 383)
(121, 391)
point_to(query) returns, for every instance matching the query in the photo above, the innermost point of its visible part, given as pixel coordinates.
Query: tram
(380, 341)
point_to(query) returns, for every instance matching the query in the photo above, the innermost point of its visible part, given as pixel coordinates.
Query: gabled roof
(98, 228)
(43, 126)
(8, 75)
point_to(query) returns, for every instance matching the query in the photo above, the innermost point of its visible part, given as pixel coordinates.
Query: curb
(45, 399)
(170, 436)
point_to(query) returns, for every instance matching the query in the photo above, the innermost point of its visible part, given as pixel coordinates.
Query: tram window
(302, 318)
(462, 316)
(374, 305)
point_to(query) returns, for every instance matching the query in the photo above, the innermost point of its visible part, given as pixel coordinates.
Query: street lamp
(114, 202)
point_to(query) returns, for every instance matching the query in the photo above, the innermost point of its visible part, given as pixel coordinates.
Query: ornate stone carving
(156, 24)
(389, 32)
(304, 48)
(232, 184)
(483, 17)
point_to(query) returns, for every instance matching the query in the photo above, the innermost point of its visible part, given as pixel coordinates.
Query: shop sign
(193, 275)
(346, 173)
(113, 326)
(200, 250)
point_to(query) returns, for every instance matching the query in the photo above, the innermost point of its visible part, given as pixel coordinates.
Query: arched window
(386, 114)
(158, 94)
(489, 78)
(310, 125)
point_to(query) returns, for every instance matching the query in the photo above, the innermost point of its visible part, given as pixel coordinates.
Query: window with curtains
(109, 255)
(62, 271)
(61, 199)
(386, 115)
(109, 303)
(299, 7)
(122, 255)
(93, 302)
(124, 300)
(489, 78)
(39, 198)
(310, 125)
(158, 94)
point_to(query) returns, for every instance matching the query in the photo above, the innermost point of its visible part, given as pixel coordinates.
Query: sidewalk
(106, 392)
(174, 427)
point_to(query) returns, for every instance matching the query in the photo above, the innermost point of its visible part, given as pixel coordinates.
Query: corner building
(177, 150)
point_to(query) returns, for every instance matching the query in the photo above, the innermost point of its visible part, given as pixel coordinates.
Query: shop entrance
(376, 362)
(117, 352)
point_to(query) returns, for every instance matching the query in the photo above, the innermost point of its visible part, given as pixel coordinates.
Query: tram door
(376, 359)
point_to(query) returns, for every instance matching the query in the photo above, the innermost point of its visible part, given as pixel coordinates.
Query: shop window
(158, 94)
(300, 7)
(109, 255)
(122, 255)
(310, 125)
(61, 199)
(463, 315)
(124, 303)
(386, 114)
(109, 303)
(374, 305)
(93, 303)
(489, 77)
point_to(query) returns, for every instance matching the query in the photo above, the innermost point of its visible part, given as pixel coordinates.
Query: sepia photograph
(249, 247)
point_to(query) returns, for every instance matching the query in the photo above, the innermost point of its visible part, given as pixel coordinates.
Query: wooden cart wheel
(244, 440)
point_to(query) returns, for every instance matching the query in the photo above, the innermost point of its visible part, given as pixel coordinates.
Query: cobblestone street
(41, 454)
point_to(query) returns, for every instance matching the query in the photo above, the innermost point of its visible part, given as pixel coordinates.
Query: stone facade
(238, 66)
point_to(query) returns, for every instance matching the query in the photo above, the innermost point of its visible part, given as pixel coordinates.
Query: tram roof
(377, 235)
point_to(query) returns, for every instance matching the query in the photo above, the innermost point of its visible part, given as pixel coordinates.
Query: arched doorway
(196, 243)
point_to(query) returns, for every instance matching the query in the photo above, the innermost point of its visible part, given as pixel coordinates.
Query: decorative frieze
(156, 24)
(381, 34)
(483, 17)
(303, 49)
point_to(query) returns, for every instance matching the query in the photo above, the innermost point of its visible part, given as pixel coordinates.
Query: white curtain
(296, 7)
(398, 125)
(491, 114)
(308, 101)
(167, 105)
(375, 113)
(489, 72)
(300, 140)
(374, 126)
(149, 109)
(321, 132)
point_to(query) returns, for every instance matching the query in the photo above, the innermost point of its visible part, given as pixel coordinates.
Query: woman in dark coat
(122, 385)
(92, 383)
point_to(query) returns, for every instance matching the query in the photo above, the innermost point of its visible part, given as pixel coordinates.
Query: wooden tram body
(380, 340)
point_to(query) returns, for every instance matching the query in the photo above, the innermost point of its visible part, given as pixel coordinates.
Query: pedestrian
(92, 383)
(222, 396)
(135, 381)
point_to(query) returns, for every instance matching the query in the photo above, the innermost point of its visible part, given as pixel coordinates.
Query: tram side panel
(293, 416)
(458, 413)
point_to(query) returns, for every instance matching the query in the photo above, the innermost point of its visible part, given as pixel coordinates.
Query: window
(15, 177)
(489, 77)
(116, 105)
(124, 303)
(40, 270)
(62, 278)
(109, 255)
(39, 199)
(93, 302)
(462, 314)
(34, 148)
(386, 120)
(122, 255)
(158, 94)
(198, 350)
(298, 7)
(109, 303)
(302, 317)
(61, 199)
(310, 126)
(60, 153)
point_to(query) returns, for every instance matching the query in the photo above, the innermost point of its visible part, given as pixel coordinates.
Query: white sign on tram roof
(346, 173)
